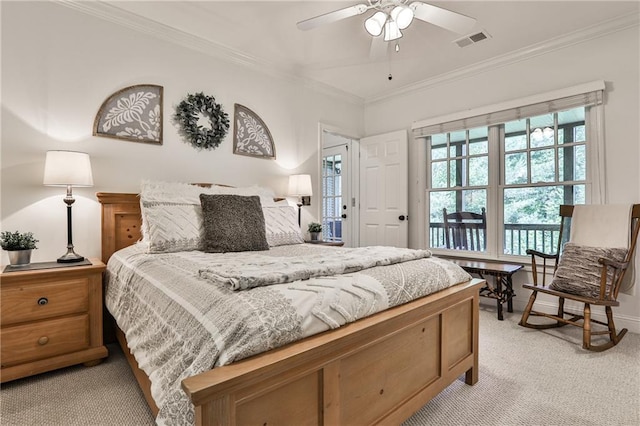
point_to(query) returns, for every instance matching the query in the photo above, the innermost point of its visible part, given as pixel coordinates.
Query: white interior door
(384, 198)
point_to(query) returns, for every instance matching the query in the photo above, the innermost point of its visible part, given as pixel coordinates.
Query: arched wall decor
(132, 114)
(251, 136)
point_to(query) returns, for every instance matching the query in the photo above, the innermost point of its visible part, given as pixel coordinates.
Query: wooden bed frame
(380, 369)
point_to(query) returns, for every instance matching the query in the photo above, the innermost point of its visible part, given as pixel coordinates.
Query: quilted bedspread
(179, 324)
(241, 273)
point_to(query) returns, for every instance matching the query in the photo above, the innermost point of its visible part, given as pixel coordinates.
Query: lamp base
(70, 257)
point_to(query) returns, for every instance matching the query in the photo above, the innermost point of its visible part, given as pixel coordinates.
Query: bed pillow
(233, 223)
(267, 196)
(579, 271)
(172, 216)
(281, 225)
(172, 213)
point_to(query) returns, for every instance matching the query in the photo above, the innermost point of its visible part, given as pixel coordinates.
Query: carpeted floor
(527, 377)
(106, 394)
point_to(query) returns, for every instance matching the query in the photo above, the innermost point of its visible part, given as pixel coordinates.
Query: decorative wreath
(187, 114)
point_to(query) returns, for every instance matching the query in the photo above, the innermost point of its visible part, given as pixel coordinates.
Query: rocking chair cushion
(579, 271)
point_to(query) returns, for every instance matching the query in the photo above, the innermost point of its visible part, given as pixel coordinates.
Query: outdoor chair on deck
(589, 270)
(465, 230)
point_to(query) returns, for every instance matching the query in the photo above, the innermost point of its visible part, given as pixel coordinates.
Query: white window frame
(589, 95)
(466, 157)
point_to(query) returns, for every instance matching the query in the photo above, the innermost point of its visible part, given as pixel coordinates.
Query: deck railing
(517, 238)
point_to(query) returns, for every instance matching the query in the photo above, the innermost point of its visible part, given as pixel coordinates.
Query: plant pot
(19, 257)
(314, 236)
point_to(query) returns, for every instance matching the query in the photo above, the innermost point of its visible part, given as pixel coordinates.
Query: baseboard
(597, 312)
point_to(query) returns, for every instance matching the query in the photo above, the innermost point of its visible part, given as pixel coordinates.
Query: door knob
(401, 217)
(344, 216)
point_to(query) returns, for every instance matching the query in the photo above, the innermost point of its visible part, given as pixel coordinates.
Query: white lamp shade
(300, 185)
(402, 15)
(391, 31)
(375, 23)
(62, 168)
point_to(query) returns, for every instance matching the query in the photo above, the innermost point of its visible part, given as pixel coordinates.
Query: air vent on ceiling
(472, 38)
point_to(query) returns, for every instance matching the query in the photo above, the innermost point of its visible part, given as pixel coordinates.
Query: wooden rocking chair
(606, 275)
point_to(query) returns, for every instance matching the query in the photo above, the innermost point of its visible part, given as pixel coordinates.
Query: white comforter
(243, 272)
(179, 324)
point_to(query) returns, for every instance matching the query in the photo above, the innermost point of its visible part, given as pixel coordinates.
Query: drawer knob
(43, 340)
(43, 301)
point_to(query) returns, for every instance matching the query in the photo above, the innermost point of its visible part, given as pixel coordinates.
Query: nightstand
(50, 318)
(325, 243)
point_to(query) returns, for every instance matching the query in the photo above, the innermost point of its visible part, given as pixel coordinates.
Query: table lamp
(300, 186)
(68, 168)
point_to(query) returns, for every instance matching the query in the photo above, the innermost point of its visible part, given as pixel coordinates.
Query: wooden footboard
(380, 369)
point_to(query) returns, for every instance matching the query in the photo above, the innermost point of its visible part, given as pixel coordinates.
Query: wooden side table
(502, 272)
(325, 243)
(50, 318)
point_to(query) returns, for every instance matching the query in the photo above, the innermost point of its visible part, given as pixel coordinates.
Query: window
(459, 177)
(544, 161)
(517, 168)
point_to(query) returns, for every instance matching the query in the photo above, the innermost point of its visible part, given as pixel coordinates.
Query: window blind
(498, 116)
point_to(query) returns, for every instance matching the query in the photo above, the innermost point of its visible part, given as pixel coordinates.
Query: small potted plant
(19, 246)
(314, 230)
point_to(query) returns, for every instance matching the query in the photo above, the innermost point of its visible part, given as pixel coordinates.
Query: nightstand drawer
(46, 300)
(44, 339)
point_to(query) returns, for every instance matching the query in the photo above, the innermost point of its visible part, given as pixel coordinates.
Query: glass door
(334, 208)
(339, 182)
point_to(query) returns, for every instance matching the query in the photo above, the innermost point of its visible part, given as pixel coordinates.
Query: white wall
(59, 65)
(614, 58)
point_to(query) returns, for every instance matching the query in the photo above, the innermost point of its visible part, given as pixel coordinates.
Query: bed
(378, 369)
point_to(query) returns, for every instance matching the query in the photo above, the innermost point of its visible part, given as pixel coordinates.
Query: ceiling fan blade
(331, 17)
(444, 18)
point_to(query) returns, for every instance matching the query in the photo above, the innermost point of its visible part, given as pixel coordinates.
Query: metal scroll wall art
(252, 136)
(132, 114)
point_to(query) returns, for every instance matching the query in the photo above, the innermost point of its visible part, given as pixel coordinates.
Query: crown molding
(595, 31)
(111, 13)
(144, 25)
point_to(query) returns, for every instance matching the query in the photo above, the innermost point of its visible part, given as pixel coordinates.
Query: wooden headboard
(121, 221)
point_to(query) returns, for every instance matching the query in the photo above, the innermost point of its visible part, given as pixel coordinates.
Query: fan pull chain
(397, 49)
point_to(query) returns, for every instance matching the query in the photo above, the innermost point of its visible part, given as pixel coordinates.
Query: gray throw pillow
(579, 271)
(232, 223)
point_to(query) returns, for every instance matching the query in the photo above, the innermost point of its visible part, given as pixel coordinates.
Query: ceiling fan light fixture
(376, 23)
(402, 15)
(391, 31)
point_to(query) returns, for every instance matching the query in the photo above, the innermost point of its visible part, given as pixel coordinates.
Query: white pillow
(281, 225)
(172, 213)
(266, 195)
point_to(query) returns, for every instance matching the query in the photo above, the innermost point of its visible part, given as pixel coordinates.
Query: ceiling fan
(391, 16)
